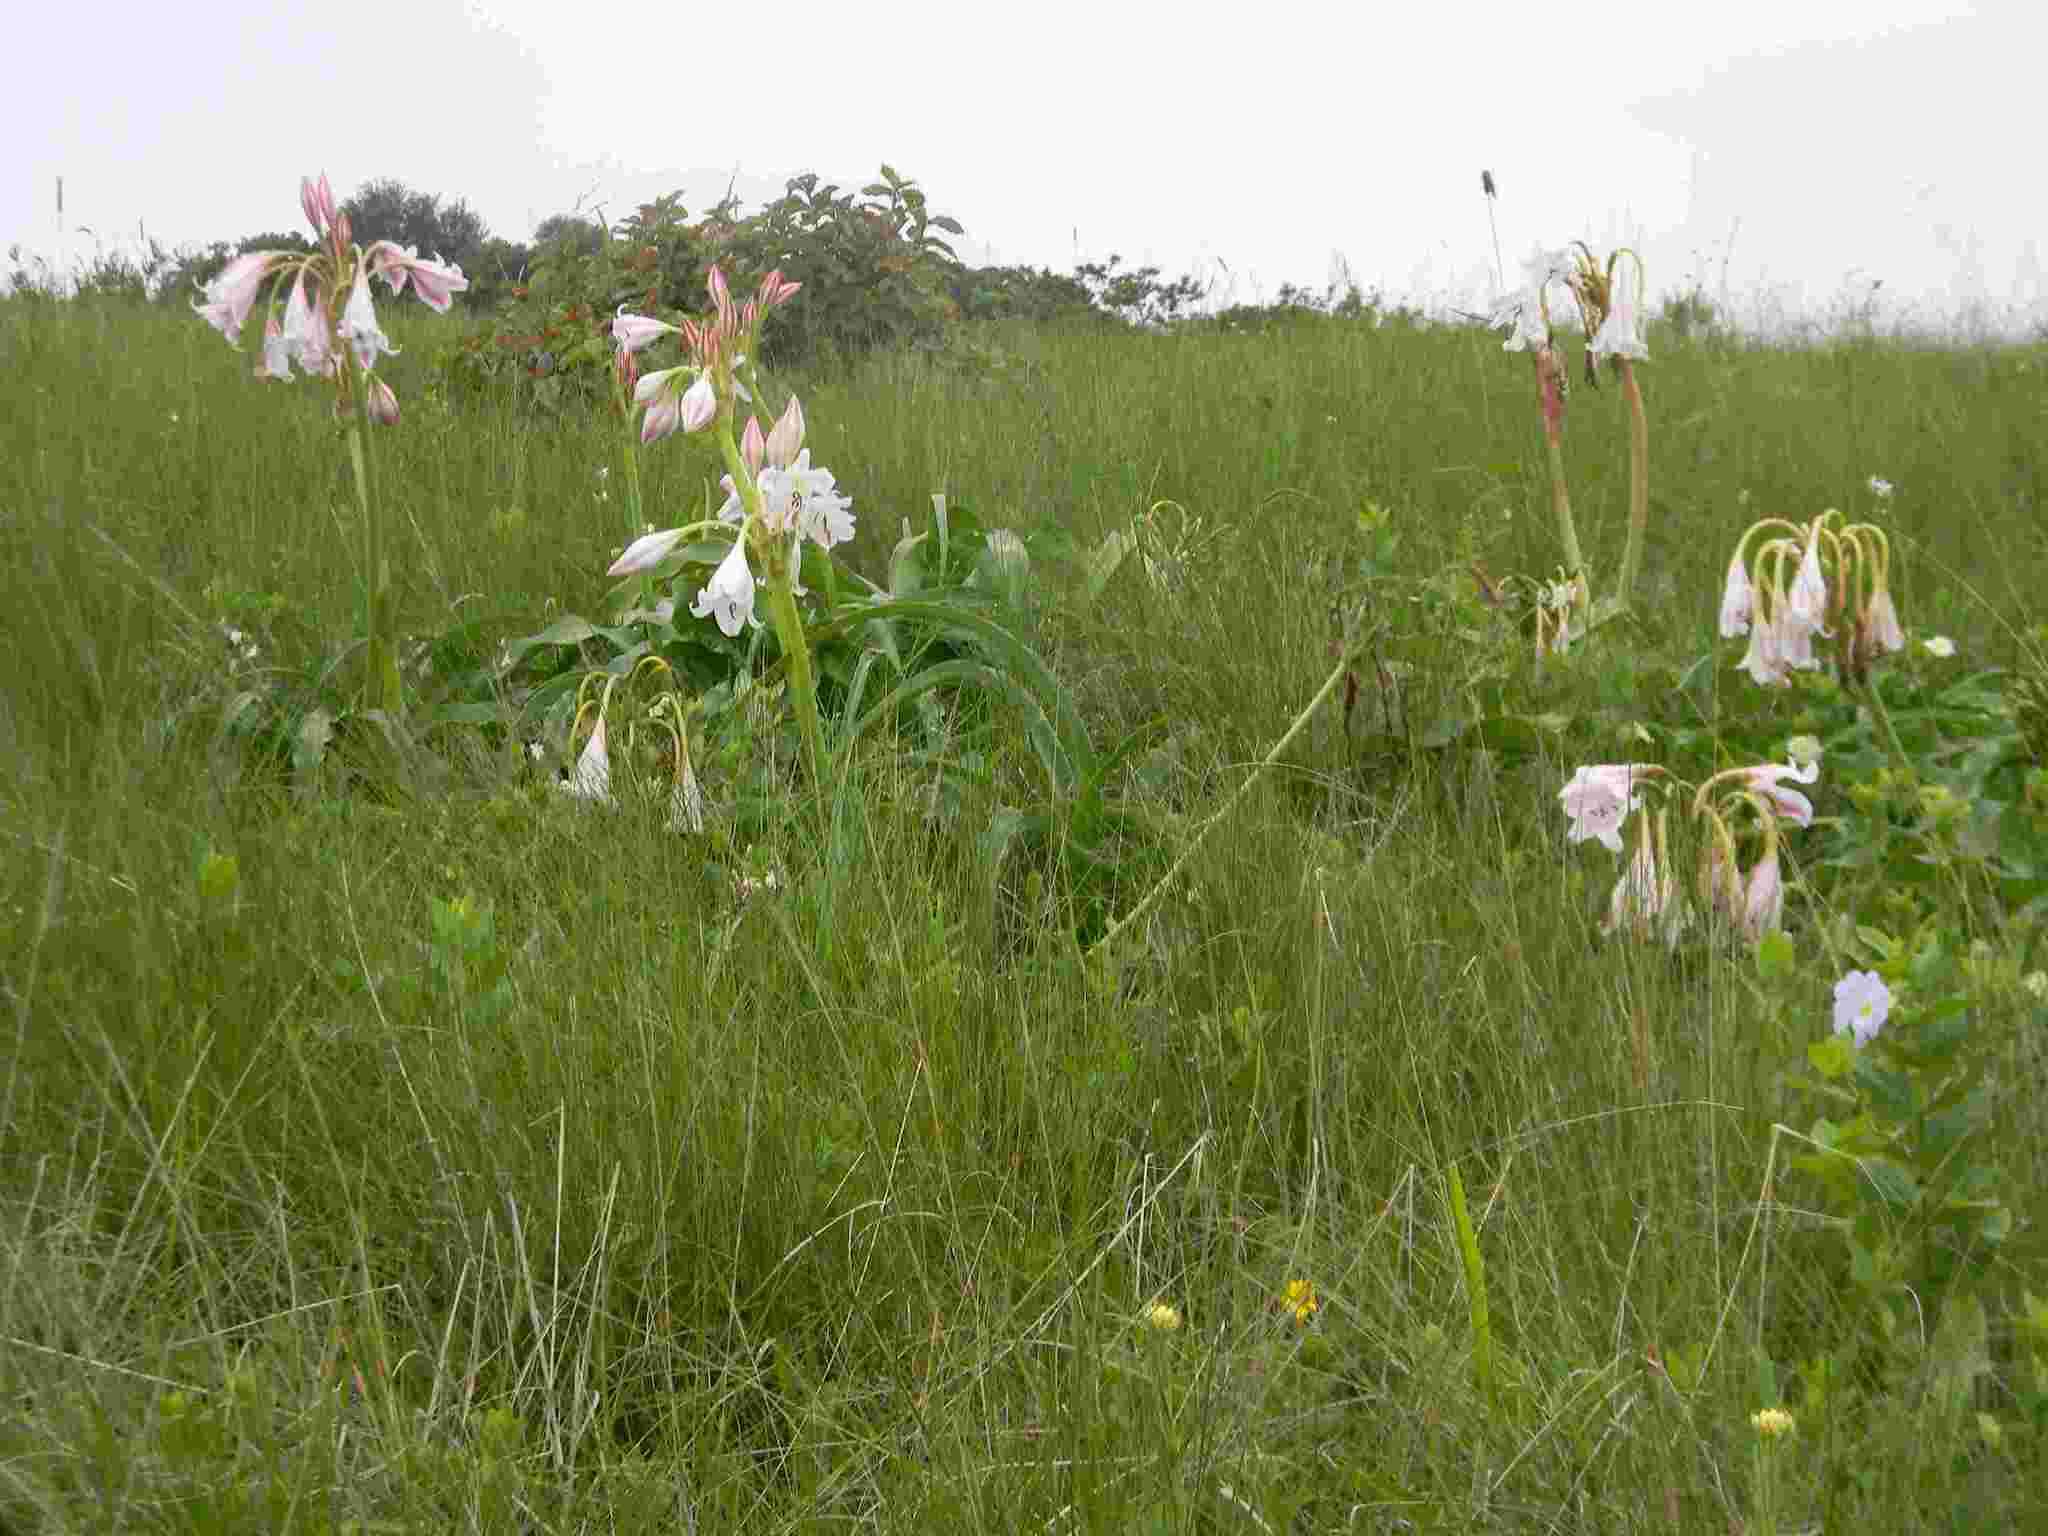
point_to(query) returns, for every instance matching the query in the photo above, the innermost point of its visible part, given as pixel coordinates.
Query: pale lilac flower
(1862, 1003)
(1618, 336)
(1768, 780)
(1880, 488)
(1598, 800)
(232, 294)
(592, 778)
(1939, 647)
(436, 282)
(1738, 601)
(730, 597)
(359, 323)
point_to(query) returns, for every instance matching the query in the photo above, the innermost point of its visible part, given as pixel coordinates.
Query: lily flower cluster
(1600, 798)
(775, 497)
(1555, 282)
(315, 328)
(1783, 617)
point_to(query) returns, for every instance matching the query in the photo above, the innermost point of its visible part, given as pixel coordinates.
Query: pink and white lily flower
(232, 294)
(632, 332)
(359, 323)
(1738, 600)
(307, 338)
(730, 597)
(436, 282)
(803, 500)
(646, 552)
(592, 779)
(1598, 800)
(1768, 780)
(1618, 336)
(1763, 902)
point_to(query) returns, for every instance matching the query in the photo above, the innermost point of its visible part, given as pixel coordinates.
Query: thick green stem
(381, 681)
(1638, 483)
(779, 580)
(803, 686)
(1561, 503)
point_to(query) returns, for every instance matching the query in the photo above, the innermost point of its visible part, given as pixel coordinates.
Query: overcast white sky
(1835, 142)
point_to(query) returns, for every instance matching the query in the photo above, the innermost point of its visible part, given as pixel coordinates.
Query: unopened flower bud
(382, 403)
(753, 445)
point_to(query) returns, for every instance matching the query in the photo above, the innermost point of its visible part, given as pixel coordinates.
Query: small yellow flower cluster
(1162, 1317)
(1300, 1299)
(1772, 1423)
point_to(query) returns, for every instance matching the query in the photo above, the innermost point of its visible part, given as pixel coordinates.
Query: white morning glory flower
(1862, 1003)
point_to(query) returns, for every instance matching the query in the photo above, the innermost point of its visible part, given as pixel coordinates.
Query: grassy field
(459, 1157)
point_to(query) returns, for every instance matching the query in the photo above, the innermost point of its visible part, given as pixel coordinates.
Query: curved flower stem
(1638, 482)
(383, 687)
(1151, 898)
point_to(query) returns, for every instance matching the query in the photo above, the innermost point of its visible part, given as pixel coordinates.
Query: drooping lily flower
(1881, 623)
(1808, 605)
(382, 402)
(307, 336)
(1738, 602)
(1763, 901)
(730, 597)
(359, 323)
(232, 294)
(1618, 336)
(592, 779)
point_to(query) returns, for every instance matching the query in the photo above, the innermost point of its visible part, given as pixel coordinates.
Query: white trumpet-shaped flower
(1738, 599)
(730, 596)
(1598, 800)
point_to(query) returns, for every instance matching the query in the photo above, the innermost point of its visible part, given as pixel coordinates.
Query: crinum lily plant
(1647, 898)
(1609, 299)
(328, 327)
(775, 498)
